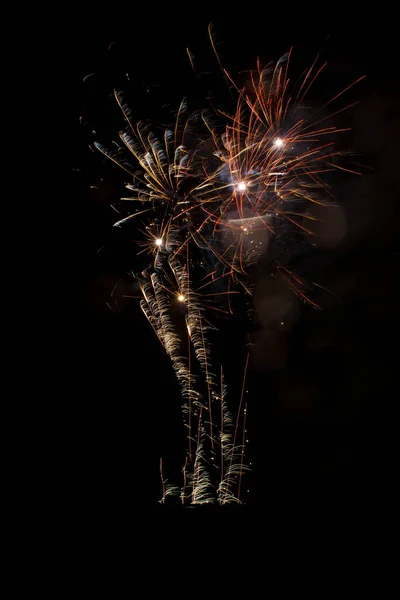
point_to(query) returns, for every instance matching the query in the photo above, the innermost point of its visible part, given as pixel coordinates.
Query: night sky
(318, 390)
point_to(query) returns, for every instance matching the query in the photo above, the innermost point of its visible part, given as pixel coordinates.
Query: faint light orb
(158, 242)
(278, 142)
(181, 298)
(241, 186)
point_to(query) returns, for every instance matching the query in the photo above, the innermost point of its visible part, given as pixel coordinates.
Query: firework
(216, 200)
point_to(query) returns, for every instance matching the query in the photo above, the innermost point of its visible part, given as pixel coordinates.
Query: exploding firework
(216, 200)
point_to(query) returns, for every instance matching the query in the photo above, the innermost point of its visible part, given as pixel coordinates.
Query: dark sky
(319, 392)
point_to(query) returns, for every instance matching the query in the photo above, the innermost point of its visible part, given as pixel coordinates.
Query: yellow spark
(278, 142)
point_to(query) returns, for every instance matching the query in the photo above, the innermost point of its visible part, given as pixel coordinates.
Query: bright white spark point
(158, 242)
(278, 142)
(181, 298)
(244, 228)
(241, 186)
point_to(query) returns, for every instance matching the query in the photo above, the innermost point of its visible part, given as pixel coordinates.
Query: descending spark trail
(215, 205)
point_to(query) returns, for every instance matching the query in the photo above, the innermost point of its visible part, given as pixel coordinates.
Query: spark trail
(215, 197)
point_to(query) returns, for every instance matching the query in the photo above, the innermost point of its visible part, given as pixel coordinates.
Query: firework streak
(215, 199)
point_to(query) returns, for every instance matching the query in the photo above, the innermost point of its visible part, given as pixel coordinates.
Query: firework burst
(215, 200)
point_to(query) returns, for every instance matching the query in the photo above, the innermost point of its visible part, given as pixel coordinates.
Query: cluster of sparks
(215, 199)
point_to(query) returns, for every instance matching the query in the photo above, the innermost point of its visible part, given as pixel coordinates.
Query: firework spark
(216, 199)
